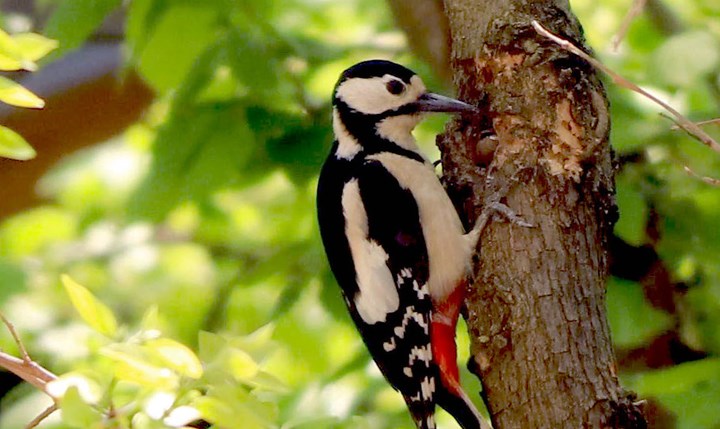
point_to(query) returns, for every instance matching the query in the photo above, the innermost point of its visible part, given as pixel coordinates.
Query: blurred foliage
(200, 288)
(19, 52)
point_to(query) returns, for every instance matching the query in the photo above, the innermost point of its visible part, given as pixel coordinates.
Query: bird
(393, 239)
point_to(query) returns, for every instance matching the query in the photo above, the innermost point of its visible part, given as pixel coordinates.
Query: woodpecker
(394, 241)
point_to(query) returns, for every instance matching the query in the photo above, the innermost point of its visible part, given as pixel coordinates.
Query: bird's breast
(449, 251)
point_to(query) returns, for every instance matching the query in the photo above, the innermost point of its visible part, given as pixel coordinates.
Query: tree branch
(536, 313)
(28, 370)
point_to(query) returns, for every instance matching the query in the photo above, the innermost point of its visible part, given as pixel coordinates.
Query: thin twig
(635, 9)
(16, 337)
(706, 179)
(684, 123)
(715, 121)
(42, 416)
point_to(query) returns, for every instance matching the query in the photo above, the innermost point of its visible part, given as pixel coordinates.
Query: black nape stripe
(363, 128)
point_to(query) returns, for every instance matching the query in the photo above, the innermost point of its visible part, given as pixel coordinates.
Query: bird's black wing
(397, 336)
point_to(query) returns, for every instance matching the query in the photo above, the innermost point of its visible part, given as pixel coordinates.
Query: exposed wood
(536, 312)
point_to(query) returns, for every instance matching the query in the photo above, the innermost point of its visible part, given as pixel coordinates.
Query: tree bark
(536, 311)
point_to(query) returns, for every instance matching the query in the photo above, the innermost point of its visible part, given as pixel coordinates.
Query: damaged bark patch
(566, 149)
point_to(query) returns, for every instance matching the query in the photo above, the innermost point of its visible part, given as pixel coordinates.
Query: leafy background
(196, 284)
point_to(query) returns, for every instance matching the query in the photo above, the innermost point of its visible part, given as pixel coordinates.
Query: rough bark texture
(536, 312)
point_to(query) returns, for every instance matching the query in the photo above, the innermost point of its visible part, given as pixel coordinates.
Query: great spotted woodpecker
(393, 238)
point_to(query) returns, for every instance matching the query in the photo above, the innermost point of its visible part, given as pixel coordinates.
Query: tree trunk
(536, 312)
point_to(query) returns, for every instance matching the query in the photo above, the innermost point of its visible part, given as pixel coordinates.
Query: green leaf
(632, 320)
(677, 379)
(93, 312)
(14, 146)
(178, 38)
(34, 46)
(633, 212)
(226, 405)
(176, 356)
(12, 280)
(73, 21)
(198, 151)
(241, 365)
(11, 57)
(685, 59)
(15, 94)
(134, 369)
(77, 413)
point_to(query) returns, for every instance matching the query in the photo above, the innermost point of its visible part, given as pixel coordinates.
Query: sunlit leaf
(11, 56)
(34, 46)
(15, 94)
(241, 365)
(93, 312)
(129, 367)
(176, 356)
(14, 146)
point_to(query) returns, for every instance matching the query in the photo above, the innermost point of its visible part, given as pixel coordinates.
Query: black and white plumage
(393, 239)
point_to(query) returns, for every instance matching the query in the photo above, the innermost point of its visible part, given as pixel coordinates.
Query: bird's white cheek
(398, 129)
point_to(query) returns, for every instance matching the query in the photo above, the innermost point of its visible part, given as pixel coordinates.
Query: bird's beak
(430, 102)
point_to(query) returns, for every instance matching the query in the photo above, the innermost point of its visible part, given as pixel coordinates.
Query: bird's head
(379, 100)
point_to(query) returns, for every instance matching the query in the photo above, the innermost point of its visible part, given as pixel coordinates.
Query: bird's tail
(462, 409)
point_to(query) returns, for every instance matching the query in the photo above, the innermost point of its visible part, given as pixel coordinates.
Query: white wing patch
(378, 294)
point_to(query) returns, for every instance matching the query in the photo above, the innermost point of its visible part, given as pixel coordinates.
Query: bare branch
(691, 128)
(635, 9)
(42, 416)
(706, 179)
(715, 121)
(25, 368)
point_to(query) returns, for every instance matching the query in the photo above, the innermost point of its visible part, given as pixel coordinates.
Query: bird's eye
(395, 87)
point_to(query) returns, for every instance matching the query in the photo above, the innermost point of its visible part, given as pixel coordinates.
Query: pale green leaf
(176, 356)
(15, 94)
(76, 412)
(241, 365)
(33, 46)
(226, 405)
(14, 146)
(11, 57)
(93, 312)
(128, 367)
